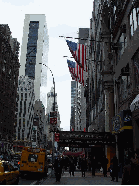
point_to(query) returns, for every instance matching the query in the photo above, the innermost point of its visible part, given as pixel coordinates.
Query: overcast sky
(63, 17)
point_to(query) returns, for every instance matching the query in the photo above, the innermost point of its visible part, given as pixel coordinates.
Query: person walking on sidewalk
(130, 172)
(104, 165)
(83, 166)
(71, 166)
(115, 168)
(89, 164)
(63, 164)
(58, 169)
(93, 165)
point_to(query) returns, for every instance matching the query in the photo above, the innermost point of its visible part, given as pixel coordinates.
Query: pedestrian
(58, 169)
(66, 163)
(104, 165)
(126, 178)
(62, 164)
(93, 165)
(79, 163)
(130, 171)
(135, 169)
(115, 168)
(110, 170)
(71, 166)
(83, 166)
(89, 164)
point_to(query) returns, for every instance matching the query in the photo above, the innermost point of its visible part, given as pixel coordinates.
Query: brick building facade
(9, 71)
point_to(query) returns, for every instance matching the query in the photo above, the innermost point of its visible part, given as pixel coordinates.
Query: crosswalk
(79, 174)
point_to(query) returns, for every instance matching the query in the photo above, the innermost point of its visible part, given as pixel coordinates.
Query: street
(33, 180)
(78, 180)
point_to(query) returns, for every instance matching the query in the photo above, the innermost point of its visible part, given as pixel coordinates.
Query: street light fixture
(52, 173)
(53, 83)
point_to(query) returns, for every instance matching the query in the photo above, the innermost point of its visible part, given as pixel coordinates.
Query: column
(106, 110)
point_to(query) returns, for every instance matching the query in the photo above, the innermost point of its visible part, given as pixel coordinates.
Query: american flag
(78, 51)
(76, 71)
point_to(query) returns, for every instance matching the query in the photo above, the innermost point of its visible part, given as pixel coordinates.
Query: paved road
(27, 180)
(32, 180)
(79, 180)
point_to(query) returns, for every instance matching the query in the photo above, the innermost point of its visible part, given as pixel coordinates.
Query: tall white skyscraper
(34, 50)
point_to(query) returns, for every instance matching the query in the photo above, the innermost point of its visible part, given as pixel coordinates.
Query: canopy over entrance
(80, 139)
(69, 153)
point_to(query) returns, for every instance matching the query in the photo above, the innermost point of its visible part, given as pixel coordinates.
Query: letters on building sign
(85, 139)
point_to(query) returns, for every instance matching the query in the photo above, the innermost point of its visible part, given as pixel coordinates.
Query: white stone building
(24, 110)
(34, 50)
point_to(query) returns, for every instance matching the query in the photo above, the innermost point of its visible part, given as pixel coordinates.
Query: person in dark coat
(58, 169)
(135, 171)
(66, 162)
(93, 165)
(83, 166)
(71, 166)
(104, 165)
(62, 164)
(130, 172)
(126, 178)
(79, 163)
(115, 168)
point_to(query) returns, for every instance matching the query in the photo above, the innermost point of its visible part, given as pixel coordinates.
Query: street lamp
(52, 173)
(53, 83)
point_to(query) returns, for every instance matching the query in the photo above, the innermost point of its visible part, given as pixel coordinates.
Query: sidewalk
(79, 180)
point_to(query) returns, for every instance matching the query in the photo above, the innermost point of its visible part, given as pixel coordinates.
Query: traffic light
(57, 137)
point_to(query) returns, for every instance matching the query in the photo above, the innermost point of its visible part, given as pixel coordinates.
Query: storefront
(123, 131)
(134, 107)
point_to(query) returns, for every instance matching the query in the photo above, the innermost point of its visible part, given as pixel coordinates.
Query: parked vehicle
(33, 160)
(8, 174)
(16, 160)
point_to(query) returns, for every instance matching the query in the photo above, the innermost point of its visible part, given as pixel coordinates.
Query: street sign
(53, 121)
(85, 139)
(57, 136)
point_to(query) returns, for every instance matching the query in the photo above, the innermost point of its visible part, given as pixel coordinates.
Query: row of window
(134, 20)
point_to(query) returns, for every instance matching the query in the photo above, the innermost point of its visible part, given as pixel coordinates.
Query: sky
(63, 18)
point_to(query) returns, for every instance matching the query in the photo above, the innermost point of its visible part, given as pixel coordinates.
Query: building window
(19, 136)
(21, 96)
(20, 122)
(122, 44)
(136, 69)
(134, 20)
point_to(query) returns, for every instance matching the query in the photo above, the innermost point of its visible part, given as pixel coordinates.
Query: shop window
(136, 69)
(122, 44)
(134, 20)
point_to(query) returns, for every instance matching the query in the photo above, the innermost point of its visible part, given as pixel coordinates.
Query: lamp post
(52, 173)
